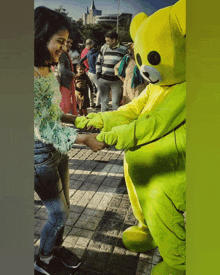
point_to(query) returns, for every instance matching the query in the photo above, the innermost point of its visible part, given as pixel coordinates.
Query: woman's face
(57, 45)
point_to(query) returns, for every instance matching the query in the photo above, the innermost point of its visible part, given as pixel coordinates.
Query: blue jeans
(105, 87)
(51, 182)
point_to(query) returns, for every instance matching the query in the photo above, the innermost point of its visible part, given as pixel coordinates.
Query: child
(53, 141)
(82, 82)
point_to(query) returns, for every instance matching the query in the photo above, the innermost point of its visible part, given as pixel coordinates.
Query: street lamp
(118, 15)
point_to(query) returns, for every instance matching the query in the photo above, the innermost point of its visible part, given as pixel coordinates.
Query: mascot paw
(138, 240)
(164, 269)
(81, 122)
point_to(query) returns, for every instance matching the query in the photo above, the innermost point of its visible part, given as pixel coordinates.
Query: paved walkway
(100, 211)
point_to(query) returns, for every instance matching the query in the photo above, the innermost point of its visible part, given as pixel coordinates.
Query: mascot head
(159, 44)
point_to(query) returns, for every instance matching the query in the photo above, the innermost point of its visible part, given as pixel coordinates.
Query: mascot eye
(139, 59)
(154, 58)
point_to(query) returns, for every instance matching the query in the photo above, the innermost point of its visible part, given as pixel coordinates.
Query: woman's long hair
(47, 23)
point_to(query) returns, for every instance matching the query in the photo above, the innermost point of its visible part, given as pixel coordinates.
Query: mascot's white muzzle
(151, 74)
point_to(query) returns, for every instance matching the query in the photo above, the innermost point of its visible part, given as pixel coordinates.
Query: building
(124, 18)
(94, 16)
(90, 16)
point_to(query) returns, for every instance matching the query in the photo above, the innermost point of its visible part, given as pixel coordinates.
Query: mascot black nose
(146, 74)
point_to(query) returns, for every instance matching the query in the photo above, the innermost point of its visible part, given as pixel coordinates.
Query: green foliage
(63, 11)
(124, 35)
(96, 32)
(77, 31)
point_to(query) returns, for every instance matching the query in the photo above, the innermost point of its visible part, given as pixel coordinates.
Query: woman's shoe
(68, 258)
(54, 266)
(138, 239)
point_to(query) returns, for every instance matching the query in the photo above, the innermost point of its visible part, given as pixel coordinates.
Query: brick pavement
(100, 211)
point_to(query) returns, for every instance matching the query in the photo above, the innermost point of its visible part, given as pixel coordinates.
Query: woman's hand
(91, 141)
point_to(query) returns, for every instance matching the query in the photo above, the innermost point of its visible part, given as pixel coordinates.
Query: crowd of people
(101, 65)
(149, 126)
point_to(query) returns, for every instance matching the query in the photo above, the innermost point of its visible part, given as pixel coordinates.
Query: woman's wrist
(68, 118)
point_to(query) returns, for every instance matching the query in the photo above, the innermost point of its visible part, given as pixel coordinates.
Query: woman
(67, 87)
(52, 141)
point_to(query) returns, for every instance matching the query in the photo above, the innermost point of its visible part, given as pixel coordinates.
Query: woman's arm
(68, 118)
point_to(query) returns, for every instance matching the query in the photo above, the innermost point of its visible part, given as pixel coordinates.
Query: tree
(63, 11)
(124, 34)
(96, 32)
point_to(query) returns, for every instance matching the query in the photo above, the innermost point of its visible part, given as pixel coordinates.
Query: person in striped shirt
(110, 54)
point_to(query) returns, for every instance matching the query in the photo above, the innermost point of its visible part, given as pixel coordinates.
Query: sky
(76, 8)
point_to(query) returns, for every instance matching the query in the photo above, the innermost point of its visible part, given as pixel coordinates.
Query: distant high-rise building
(94, 16)
(123, 18)
(89, 16)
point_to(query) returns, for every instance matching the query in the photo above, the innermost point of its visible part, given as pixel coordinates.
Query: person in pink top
(85, 51)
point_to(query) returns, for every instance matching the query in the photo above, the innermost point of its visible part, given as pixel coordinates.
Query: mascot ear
(136, 22)
(178, 13)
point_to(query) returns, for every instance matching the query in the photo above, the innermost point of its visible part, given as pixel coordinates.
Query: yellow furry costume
(151, 129)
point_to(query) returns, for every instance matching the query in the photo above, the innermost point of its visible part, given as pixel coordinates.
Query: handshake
(88, 139)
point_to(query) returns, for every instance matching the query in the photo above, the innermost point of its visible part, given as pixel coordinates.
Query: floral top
(47, 113)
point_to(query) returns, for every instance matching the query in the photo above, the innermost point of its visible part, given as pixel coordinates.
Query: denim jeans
(51, 182)
(105, 87)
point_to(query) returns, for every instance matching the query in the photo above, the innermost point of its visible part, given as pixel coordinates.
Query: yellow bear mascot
(152, 131)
